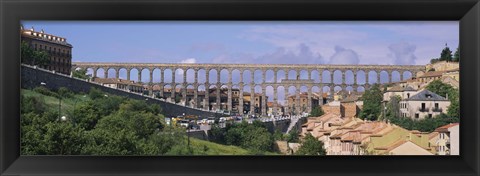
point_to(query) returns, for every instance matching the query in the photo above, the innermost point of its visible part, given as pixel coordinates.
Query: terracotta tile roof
(446, 127)
(114, 81)
(432, 74)
(432, 135)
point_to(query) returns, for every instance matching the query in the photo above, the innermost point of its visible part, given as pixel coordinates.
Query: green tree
(434, 60)
(32, 57)
(454, 108)
(372, 103)
(292, 136)
(64, 92)
(456, 56)
(316, 112)
(446, 54)
(253, 137)
(440, 88)
(445, 90)
(311, 146)
(63, 139)
(81, 74)
(393, 107)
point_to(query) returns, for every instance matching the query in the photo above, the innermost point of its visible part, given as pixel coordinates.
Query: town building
(423, 104)
(58, 49)
(402, 91)
(119, 84)
(442, 66)
(448, 142)
(303, 103)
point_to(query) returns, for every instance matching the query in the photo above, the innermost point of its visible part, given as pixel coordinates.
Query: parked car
(211, 120)
(183, 123)
(222, 119)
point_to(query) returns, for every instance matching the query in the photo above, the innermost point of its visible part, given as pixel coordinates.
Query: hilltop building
(59, 50)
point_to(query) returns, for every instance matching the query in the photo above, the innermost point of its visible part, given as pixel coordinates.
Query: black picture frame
(465, 11)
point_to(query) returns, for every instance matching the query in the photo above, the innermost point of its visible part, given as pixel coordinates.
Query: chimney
(446, 96)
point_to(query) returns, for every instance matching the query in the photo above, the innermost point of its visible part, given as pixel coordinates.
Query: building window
(436, 105)
(417, 115)
(429, 115)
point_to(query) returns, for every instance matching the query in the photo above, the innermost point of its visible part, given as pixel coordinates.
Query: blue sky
(282, 42)
(255, 42)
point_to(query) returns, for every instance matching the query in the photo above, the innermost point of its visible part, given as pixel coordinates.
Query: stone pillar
(128, 73)
(401, 75)
(344, 79)
(184, 76)
(150, 90)
(161, 76)
(218, 98)
(94, 74)
(287, 105)
(275, 100)
(264, 100)
(320, 74)
(355, 78)
(105, 72)
(218, 76)
(331, 77)
(297, 100)
(390, 79)
(173, 75)
(275, 75)
(309, 74)
(263, 76)
(252, 78)
(207, 95)
(207, 77)
(195, 76)
(240, 98)
(309, 100)
(332, 90)
(162, 86)
(241, 78)
(151, 76)
(229, 100)
(117, 73)
(139, 76)
(195, 95)
(252, 98)
(184, 93)
(172, 92)
(367, 77)
(378, 77)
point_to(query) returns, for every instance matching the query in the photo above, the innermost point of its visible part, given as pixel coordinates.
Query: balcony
(423, 109)
(437, 109)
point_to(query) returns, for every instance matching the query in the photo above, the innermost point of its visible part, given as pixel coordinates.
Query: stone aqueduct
(252, 68)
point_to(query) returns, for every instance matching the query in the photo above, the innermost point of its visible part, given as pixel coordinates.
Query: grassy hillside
(52, 102)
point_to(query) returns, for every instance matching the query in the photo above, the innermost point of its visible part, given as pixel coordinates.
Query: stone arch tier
(305, 75)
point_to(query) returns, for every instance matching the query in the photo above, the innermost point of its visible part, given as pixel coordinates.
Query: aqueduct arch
(284, 76)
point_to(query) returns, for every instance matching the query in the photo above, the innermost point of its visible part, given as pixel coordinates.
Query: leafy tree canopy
(311, 146)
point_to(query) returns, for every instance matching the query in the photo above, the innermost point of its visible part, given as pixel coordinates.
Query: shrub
(45, 91)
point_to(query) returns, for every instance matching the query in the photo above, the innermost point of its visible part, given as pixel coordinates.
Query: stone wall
(349, 109)
(32, 78)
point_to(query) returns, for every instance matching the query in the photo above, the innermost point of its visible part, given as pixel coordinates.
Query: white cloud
(189, 61)
(403, 53)
(344, 56)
